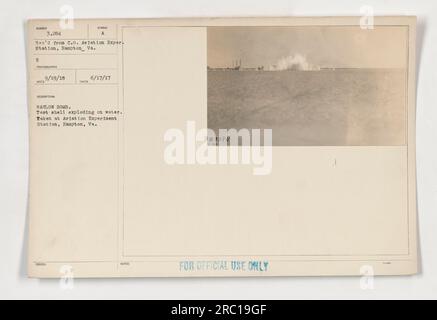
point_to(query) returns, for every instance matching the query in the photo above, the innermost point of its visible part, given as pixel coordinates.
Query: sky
(326, 46)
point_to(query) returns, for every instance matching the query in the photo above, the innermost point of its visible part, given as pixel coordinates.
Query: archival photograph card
(226, 147)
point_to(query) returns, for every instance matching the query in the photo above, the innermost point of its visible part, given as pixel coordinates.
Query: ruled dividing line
(74, 84)
(74, 54)
(87, 69)
(75, 39)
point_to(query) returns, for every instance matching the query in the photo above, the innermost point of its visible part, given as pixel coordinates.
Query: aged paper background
(103, 200)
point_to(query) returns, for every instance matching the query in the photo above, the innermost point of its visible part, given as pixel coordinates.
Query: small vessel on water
(236, 65)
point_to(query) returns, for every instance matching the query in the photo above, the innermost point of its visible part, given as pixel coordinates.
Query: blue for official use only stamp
(224, 265)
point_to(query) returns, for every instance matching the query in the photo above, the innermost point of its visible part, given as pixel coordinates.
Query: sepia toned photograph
(312, 85)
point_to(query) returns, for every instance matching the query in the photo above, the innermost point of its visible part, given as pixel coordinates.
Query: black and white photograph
(321, 85)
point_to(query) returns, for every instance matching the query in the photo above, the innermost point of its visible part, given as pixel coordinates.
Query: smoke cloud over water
(293, 62)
